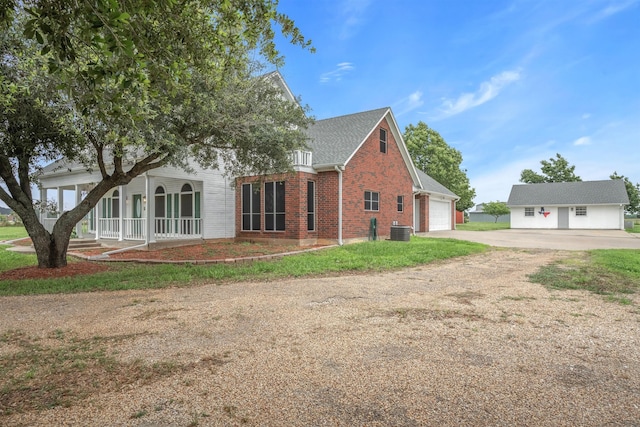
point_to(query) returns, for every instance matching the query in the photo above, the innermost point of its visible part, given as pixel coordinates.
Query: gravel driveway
(464, 342)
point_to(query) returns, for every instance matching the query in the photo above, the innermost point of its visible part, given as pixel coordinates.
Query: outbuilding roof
(606, 192)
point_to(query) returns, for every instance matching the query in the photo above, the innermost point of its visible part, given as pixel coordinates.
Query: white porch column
(60, 201)
(149, 209)
(78, 200)
(43, 199)
(98, 209)
(121, 208)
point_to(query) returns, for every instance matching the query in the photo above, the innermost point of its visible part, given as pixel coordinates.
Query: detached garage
(434, 205)
(569, 205)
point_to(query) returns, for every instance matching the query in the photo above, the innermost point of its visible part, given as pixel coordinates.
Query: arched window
(186, 201)
(160, 210)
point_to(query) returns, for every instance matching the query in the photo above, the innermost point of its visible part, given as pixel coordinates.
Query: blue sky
(508, 83)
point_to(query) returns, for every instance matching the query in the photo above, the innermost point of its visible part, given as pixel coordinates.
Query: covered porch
(147, 210)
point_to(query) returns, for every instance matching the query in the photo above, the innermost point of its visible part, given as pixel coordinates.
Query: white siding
(598, 217)
(439, 215)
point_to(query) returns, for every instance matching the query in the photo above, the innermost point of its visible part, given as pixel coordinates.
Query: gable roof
(606, 192)
(333, 141)
(430, 185)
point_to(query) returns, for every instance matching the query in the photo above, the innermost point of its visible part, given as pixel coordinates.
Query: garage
(439, 215)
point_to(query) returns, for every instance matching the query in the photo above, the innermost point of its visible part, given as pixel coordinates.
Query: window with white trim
(371, 201)
(274, 206)
(400, 203)
(529, 212)
(251, 207)
(581, 211)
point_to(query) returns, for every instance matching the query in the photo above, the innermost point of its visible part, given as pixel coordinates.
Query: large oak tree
(124, 87)
(432, 155)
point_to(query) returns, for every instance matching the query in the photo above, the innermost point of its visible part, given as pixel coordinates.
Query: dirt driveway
(464, 342)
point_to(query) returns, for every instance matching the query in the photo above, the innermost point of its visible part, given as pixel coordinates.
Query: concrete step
(82, 244)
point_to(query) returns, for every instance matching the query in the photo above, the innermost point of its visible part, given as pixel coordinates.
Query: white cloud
(408, 103)
(584, 140)
(614, 8)
(487, 91)
(585, 116)
(336, 75)
(351, 15)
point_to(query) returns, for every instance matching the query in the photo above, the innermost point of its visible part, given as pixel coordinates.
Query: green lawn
(360, 257)
(483, 226)
(12, 232)
(614, 273)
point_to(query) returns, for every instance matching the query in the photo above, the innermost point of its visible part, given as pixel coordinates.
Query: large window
(400, 203)
(529, 212)
(274, 205)
(371, 201)
(581, 211)
(251, 207)
(383, 141)
(311, 205)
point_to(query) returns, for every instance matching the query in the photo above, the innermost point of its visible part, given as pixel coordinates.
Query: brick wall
(385, 173)
(295, 207)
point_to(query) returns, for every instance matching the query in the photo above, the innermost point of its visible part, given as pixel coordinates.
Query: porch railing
(301, 158)
(164, 228)
(109, 228)
(172, 228)
(134, 228)
(49, 223)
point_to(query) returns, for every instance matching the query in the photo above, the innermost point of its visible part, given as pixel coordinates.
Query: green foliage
(432, 155)
(554, 170)
(361, 257)
(496, 209)
(633, 191)
(126, 87)
(613, 273)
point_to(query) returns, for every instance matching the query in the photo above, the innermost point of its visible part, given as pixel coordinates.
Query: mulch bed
(209, 250)
(71, 269)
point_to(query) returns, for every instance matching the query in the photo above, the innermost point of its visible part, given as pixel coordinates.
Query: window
(400, 203)
(371, 201)
(160, 210)
(581, 211)
(250, 207)
(311, 205)
(274, 205)
(529, 212)
(383, 141)
(115, 204)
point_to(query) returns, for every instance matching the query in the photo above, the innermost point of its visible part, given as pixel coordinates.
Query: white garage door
(439, 215)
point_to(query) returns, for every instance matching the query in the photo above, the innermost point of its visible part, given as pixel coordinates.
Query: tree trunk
(51, 248)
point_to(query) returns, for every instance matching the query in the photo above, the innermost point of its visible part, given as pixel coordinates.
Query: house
(356, 176)
(569, 205)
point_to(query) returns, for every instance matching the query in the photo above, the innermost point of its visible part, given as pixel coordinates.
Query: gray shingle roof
(612, 191)
(431, 185)
(334, 140)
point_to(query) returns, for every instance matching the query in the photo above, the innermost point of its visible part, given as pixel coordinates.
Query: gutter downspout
(337, 168)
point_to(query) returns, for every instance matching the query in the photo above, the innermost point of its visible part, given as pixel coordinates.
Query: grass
(635, 229)
(360, 257)
(483, 226)
(37, 376)
(614, 273)
(12, 232)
